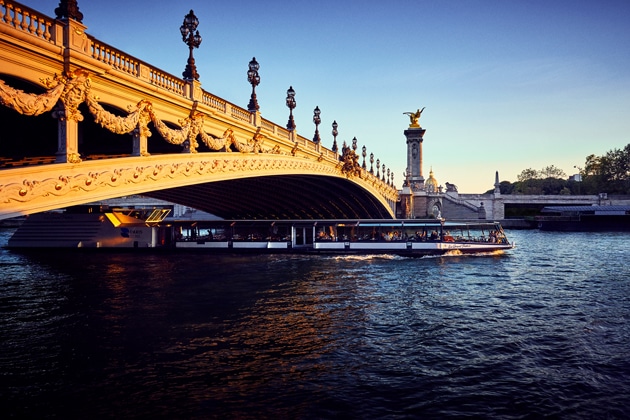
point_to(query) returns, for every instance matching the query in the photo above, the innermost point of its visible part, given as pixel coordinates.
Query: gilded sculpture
(414, 117)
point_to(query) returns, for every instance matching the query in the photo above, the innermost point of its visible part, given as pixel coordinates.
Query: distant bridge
(204, 151)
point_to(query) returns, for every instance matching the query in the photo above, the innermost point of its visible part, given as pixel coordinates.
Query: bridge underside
(279, 197)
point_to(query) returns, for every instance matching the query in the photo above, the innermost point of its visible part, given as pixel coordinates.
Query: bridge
(122, 127)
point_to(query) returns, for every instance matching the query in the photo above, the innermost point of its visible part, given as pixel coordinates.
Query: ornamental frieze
(34, 188)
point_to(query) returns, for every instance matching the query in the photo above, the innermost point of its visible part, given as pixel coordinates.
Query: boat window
(157, 215)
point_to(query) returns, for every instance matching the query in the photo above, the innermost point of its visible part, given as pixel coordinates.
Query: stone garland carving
(171, 135)
(29, 103)
(116, 124)
(73, 88)
(223, 143)
(69, 91)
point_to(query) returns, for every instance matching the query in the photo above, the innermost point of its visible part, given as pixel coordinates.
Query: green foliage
(609, 173)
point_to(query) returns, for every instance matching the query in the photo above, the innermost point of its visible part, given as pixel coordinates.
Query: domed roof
(431, 183)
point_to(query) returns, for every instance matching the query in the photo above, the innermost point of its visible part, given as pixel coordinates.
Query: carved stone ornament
(77, 86)
(29, 103)
(350, 161)
(121, 125)
(42, 186)
(171, 135)
(223, 143)
(68, 92)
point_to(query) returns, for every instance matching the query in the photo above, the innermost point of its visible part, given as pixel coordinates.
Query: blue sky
(507, 85)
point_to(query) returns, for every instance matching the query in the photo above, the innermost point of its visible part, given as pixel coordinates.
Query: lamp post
(335, 133)
(317, 120)
(383, 178)
(254, 79)
(364, 154)
(372, 163)
(191, 37)
(378, 168)
(291, 104)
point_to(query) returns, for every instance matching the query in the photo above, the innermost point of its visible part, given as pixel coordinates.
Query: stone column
(140, 142)
(414, 157)
(69, 116)
(406, 203)
(67, 134)
(141, 133)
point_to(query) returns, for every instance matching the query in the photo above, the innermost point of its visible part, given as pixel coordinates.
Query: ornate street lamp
(354, 144)
(364, 153)
(378, 167)
(372, 163)
(317, 120)
(291, 104)
(254, 79)
(191, 37)
(383, 179)
(387, 176)
(335, 133)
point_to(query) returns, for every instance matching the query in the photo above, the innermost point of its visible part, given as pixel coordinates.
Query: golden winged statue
(414, 117)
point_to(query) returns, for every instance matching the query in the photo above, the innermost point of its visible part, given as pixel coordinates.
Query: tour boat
(366, 236)
(102, 227)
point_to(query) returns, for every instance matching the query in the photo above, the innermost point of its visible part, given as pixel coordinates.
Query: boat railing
(497, 238)
(233, 238)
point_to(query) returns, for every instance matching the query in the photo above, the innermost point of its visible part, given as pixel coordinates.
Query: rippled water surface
(538, 331)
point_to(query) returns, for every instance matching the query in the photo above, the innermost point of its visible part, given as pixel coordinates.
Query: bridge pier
(140, 143)
(67, 135)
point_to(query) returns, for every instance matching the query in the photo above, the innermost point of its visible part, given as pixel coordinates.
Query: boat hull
(351, 248)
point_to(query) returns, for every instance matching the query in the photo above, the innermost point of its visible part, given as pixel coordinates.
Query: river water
(539, 331)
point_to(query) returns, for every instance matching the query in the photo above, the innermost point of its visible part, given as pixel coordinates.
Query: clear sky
(507, 85)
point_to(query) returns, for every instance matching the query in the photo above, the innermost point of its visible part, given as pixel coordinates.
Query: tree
(552, 172)
(609, 173)
(528, 174)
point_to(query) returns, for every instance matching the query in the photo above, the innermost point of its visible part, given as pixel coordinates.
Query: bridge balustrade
(27, 20)
(114, 58)
(214, 102)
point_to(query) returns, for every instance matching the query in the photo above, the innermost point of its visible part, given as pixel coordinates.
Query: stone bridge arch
(72, 70)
